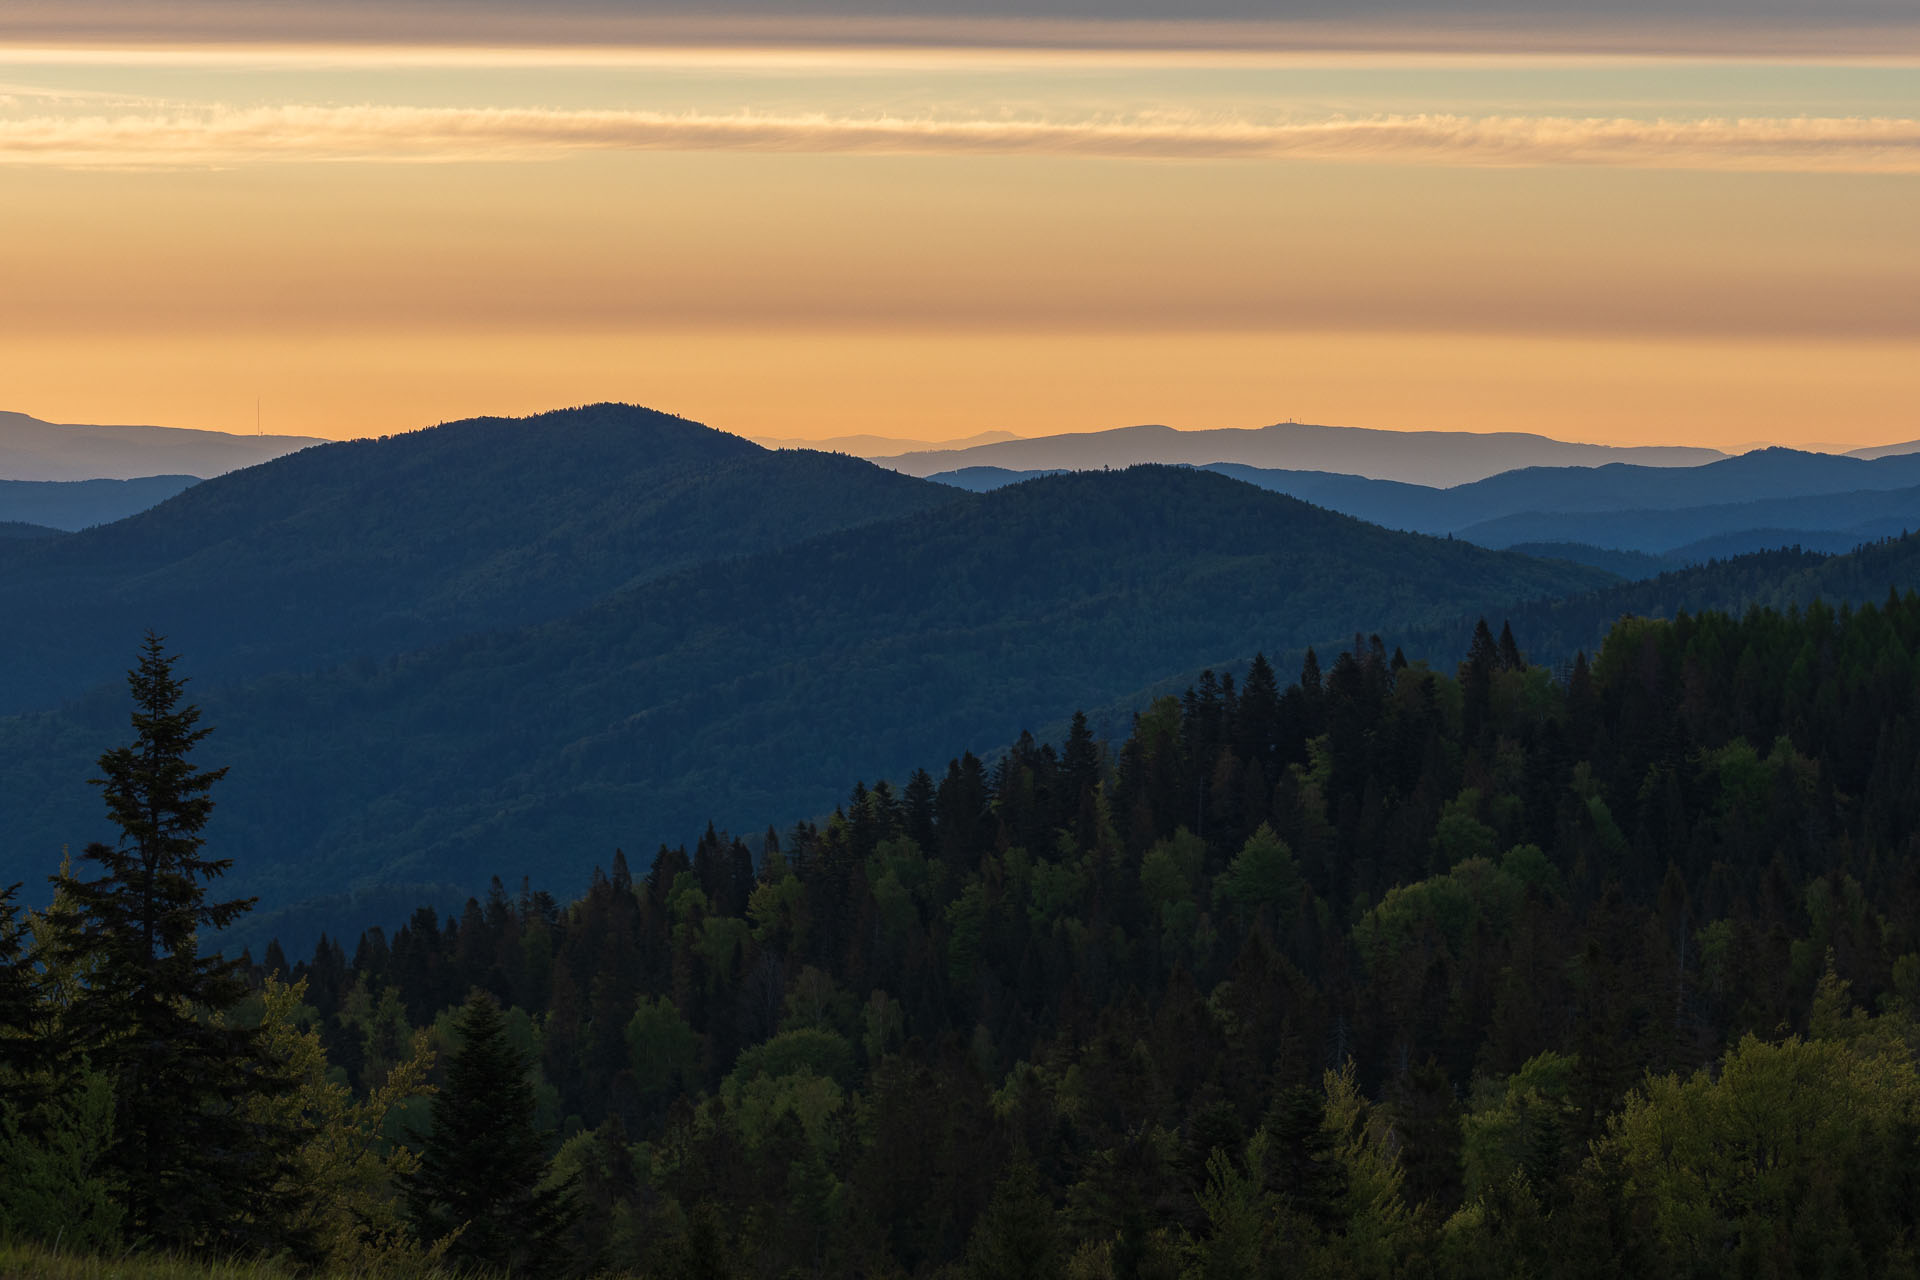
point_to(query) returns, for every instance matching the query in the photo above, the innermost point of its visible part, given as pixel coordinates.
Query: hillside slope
(1864, 515)
(367, 548)
(80, 504)
(750, 690)
(1552, 631)
(1622, 489)
(34, 450)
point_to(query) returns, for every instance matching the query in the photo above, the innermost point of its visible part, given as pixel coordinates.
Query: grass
(38, 1262)
(21, 1261)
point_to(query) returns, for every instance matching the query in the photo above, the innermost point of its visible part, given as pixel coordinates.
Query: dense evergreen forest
(1604, 970)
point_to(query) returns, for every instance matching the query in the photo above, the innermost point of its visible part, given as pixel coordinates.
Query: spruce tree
(193, 1169)
(482, 1163)
(20, 1047)
(1017, 1237)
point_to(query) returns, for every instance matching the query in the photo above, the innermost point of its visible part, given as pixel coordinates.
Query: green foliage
(1792, 1160)
(665, 1051)
(479, 1180)
(1447, 908)
(801, 1067)
(810, 1050)
(1517, 1128)
(56, 1180)
(1017, 1238)
(1460, 836)
(1263, 874)
(345, 1175)
(192, 1169)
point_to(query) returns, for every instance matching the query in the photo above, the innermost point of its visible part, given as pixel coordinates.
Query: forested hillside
(1863, 516)
(363, 549)
(1391, 971)
(1547, 492)
(1783, 579)
(749, 690)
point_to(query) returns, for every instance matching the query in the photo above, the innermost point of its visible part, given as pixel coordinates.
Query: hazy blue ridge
(1418, 457)
(68, 505)
(33, 450)
(1865, 515)
(1631, 565)
(21, 531)
(986, 479)
(1722, 546)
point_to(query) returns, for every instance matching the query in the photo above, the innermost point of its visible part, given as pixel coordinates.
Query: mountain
(1724, 546)
(1438, 458)
(20, 530)
(986, 479)
(878, 446)
(34, 450)
(1631, 565)
(1886, 450)
(1860, 516)
(80, 504)
(1542, 494)
(366, 548)
(749, 689)
(1552, 631)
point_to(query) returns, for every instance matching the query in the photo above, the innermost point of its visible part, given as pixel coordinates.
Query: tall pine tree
(482, 1163)
(19, 1004)
(191, 1166)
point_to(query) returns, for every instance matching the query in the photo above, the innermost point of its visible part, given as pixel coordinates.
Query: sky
(1692, 224)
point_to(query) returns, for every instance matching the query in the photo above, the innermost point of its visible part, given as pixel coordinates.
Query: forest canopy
(1391, 971)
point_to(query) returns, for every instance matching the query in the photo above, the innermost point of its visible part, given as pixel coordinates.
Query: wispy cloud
(1710, 28)
(236, 136)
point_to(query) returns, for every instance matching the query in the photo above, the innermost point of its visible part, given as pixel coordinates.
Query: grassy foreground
(36, 1262)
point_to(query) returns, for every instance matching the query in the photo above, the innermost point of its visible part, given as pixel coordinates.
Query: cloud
(1792, 28)
(383, 134)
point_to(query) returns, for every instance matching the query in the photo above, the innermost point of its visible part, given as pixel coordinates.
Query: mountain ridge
(1421, 457)
(366, 548)
(33, 449)
(677, 700)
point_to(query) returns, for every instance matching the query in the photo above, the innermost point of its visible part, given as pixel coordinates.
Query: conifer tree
(483, 1162)
(191, 1165)
(19, 1016)
(1017, 1236)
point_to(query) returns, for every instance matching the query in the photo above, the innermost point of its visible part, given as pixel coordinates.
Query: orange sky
(1632, 254)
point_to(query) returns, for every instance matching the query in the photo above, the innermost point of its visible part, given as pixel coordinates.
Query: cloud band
(376, 134)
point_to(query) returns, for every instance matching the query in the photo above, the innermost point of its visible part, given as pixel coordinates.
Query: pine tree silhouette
(197, 1173)
(482, 1163)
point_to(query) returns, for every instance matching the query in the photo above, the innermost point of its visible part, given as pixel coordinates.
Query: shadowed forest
(1388, 972)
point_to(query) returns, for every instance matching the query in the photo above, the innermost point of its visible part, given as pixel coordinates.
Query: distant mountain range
(1437, 458)
(1886, 450)
(879, 446)
(1768, 498)
(81, 504)
(34, 450)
